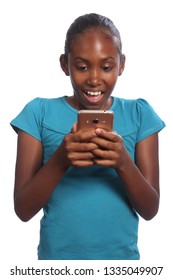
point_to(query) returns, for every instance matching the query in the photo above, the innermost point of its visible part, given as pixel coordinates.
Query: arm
(141, 180)
(35, 182)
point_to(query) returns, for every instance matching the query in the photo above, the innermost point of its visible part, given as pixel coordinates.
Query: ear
(64, 64)
(122, 64)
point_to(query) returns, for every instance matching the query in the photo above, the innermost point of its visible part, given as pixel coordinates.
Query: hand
(111, 151)
(77, 148)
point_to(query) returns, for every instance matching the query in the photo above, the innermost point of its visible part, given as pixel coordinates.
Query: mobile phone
(91, 119)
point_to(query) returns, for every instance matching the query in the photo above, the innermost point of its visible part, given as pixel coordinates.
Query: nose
(94, 78)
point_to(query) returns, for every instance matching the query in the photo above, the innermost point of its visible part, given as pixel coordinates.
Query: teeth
(93, 93)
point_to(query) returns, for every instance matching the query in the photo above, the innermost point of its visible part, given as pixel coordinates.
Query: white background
(32, 35)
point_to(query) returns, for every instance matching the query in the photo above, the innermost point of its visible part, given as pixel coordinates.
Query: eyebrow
(86, 60)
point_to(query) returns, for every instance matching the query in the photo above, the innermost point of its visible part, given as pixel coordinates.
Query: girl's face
(94, 65)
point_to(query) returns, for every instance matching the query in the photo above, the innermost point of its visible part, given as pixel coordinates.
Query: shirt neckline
(76, 111)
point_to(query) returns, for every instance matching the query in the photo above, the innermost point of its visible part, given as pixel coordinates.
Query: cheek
(76, 79)
(112, 79)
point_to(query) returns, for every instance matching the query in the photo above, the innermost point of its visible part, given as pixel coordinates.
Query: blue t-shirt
(88, 215)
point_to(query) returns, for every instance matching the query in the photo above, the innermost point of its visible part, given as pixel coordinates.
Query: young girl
(91, 185)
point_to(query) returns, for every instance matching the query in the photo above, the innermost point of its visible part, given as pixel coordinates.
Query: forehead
(94, 40)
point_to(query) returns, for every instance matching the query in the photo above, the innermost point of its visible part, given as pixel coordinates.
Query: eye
(81, 68)
(106, 68)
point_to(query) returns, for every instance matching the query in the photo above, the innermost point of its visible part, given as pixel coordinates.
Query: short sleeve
(30, 118)
(149, 121)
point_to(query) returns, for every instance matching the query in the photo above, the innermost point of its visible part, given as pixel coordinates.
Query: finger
(104, 154)
(82, 147)
(104, 162)
(83, 136)
(83, 163)
(81, 159)
(74, 128)
(105, 144)
(109, 135)
(80, 156)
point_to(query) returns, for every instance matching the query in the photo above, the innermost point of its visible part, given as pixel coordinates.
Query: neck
(72, 101)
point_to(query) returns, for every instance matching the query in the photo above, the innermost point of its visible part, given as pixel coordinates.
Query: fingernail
(98, 130)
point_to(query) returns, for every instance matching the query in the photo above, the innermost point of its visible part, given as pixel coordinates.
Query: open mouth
(93, 93)
(93, 96)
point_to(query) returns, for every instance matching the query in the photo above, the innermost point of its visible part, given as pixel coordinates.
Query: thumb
(74, 128)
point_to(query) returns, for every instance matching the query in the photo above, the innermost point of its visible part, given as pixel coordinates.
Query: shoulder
(32, 115)
(40, 102)
(136, 115)
(52, 113)
(131, 102)
(139, 108)
(134, 106)
(39, 107)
